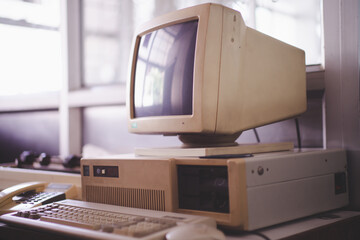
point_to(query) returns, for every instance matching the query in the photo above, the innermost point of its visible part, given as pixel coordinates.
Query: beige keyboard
(94, 220)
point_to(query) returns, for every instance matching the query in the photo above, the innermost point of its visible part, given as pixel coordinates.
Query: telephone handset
(31, 194)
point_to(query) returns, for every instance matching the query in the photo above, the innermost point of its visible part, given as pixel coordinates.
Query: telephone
(31, 194)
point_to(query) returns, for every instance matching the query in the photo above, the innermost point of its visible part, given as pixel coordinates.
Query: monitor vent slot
(127, 197)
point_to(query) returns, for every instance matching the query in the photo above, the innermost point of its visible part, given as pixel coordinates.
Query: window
(295, 22)
(30, 57)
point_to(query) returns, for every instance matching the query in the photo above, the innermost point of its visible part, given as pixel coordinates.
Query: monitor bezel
(203, 118)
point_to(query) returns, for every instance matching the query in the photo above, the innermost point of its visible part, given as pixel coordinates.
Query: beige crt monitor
(202, 74)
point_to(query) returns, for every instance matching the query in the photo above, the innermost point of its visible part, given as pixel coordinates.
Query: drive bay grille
(127, 197)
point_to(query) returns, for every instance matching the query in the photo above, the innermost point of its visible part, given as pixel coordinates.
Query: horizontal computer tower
(244, 192)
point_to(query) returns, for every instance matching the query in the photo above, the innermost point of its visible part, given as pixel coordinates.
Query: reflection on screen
(164, 71)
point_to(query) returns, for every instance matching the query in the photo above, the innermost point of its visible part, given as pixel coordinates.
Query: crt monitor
(202, 74)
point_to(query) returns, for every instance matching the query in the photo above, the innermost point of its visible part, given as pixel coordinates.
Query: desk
(334, 225)
(12, 176)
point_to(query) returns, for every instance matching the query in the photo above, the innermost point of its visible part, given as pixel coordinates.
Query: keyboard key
(70, 223)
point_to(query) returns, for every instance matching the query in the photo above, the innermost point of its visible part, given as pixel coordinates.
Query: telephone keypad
(37, 198)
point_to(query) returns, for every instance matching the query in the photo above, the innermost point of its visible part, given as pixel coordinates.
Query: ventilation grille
(127, 197)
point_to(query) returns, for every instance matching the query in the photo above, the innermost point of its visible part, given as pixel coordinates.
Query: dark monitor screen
(163, 83)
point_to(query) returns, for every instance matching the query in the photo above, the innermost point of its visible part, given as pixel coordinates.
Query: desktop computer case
(262, 190)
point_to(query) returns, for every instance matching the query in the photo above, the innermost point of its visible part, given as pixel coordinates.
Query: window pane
(108, 29)
(106, 40)
(30, 47)
(295, 22)
(41, 12)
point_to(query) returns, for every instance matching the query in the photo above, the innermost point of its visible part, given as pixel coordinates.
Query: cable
(256, 135)
(298, 133)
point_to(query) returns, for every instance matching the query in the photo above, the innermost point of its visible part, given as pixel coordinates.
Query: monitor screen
(163, 83)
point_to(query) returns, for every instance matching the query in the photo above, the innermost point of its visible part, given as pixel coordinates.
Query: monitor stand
(238, 150)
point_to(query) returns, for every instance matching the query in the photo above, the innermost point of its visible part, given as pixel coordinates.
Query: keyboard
(100, 221)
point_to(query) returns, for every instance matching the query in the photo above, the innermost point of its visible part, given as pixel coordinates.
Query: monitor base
(241, 149)
(208, 140)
